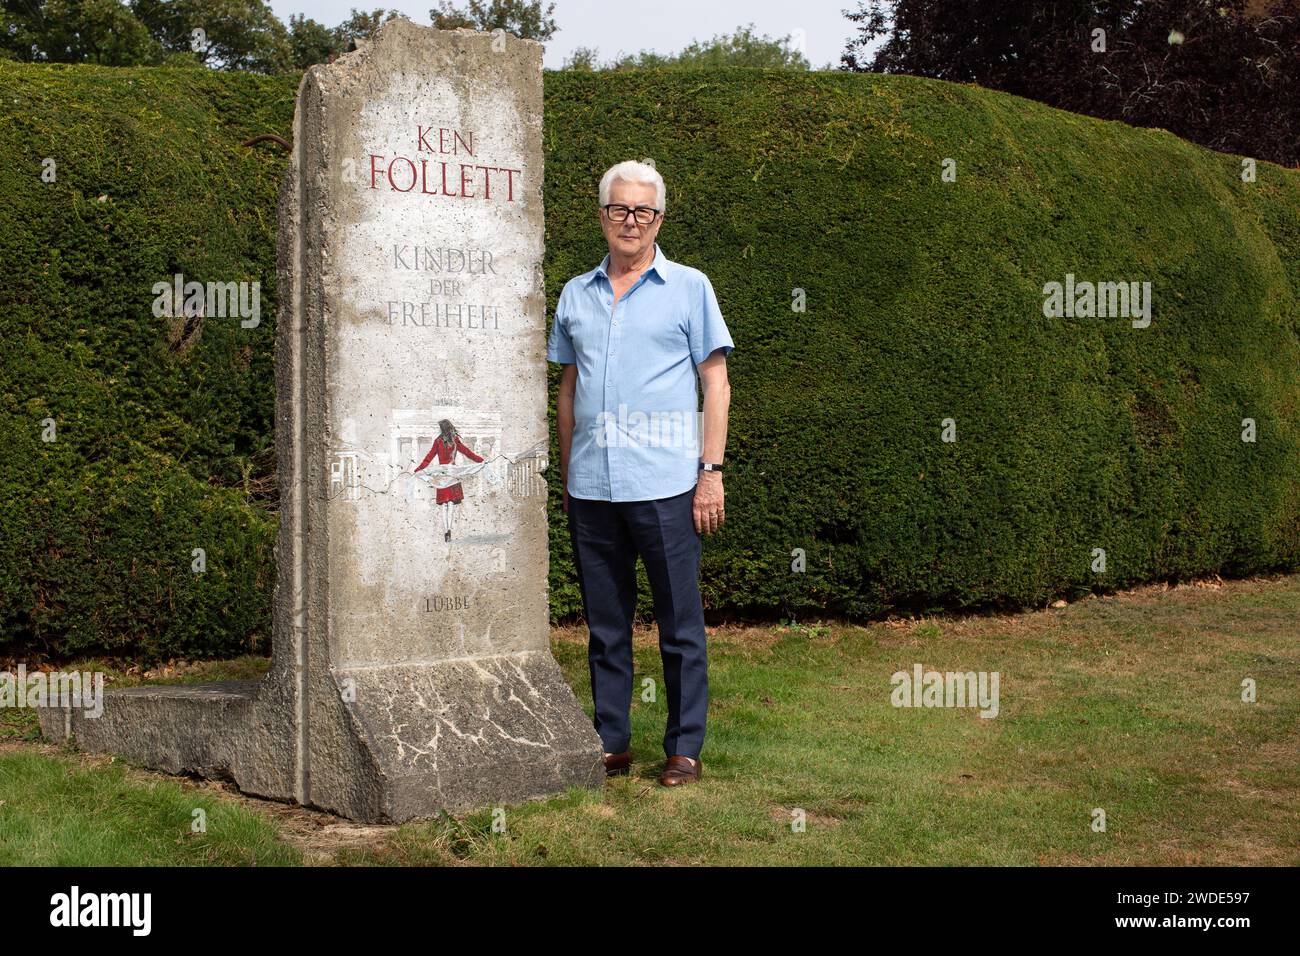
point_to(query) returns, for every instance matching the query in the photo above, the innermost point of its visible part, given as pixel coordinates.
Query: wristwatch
(710, 466)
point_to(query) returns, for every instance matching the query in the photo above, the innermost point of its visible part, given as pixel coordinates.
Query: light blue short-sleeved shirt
(637, 408)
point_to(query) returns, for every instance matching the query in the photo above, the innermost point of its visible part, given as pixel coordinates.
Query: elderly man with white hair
(640, 336)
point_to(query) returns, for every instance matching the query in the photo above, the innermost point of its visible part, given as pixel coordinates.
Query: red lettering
(421, 145)
(469, 147)
(424, 178)
(401, 159)
(421, 175)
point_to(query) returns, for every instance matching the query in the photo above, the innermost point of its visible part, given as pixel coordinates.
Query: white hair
(630, 171)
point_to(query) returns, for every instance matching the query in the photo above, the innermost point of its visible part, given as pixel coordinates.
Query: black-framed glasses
(617, 212)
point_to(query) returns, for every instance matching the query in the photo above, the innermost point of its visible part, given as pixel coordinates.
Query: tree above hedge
(1225, 74)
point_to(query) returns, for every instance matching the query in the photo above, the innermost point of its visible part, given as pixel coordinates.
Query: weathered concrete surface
(410, 673)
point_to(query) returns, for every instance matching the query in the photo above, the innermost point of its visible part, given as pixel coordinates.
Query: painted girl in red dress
(445, 447)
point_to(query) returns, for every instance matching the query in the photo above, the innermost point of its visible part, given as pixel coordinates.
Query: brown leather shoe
(617, 764)
(679, 770)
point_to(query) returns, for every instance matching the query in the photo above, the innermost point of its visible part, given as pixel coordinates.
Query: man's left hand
(709, 513)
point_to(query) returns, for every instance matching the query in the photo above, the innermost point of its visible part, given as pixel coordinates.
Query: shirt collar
(660, 267)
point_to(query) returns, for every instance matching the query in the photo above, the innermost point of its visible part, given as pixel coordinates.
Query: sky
(665, 26)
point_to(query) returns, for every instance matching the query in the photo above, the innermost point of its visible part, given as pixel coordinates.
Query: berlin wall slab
(411, 670)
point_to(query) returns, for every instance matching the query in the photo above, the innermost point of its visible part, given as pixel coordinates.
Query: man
(638, 336)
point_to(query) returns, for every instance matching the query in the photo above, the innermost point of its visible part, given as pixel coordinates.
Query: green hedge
(924, 302)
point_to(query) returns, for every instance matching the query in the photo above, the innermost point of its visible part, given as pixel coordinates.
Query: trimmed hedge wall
(923, 302)
(156, 426)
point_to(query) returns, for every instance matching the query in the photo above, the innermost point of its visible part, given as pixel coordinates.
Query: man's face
(630, 238)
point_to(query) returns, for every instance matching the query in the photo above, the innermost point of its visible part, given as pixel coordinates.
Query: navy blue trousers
(607, 537)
